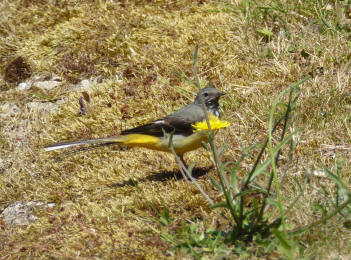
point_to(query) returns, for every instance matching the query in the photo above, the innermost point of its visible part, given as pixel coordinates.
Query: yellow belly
(181, 144)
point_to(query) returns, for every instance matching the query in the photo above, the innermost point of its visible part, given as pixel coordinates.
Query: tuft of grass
(16, 71)
(255, 223)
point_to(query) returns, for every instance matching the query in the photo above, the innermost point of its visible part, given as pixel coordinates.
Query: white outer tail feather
(78, 143)
(61, 146)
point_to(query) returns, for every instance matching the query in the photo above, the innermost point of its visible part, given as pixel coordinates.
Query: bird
(156, 134)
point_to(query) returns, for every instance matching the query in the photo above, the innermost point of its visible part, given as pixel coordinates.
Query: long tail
(140, 140)
(98, 142)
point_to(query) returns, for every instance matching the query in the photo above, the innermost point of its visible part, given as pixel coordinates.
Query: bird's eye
(205, 94)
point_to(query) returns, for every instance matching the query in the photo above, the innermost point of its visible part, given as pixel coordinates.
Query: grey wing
(182, 119)
(179, 121)
(155, 128)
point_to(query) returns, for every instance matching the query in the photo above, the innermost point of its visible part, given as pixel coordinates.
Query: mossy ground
(251, 51)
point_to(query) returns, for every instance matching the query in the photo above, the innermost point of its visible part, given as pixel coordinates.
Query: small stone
(47, 85)
(4, 164)
(132, 51)
(23, 86)
(85, 84)
(51, 205)
(19, 213)
(9, 109)
(56, 78)
(41, 107)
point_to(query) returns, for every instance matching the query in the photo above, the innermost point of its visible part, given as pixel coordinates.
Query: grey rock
(5, 163)
(47, 85)
(20, 213)
(41, 107)
(9, 110)
(24, 86)
(44, 82)
(85, 84)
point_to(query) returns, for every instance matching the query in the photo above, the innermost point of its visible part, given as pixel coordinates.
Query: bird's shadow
(163, 176)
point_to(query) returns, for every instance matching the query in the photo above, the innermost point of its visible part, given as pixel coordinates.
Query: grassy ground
(250, 50)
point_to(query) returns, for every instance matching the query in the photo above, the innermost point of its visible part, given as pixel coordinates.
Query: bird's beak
(222, 94)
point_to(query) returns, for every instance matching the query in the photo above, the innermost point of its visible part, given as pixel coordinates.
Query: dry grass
(136, 47)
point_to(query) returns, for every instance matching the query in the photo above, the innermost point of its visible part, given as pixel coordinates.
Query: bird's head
(210, 96)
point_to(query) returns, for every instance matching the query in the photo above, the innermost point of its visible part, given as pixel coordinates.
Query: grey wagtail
(155, 135)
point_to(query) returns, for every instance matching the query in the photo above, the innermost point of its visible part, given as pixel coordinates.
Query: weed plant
(263, 221)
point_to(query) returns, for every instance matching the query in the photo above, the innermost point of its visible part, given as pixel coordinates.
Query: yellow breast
(181, 144)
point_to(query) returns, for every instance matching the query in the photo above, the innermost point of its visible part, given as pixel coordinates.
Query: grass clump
(262, 222)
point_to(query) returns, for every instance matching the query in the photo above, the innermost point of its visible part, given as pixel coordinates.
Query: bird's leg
(182, 170)
(182, 160)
